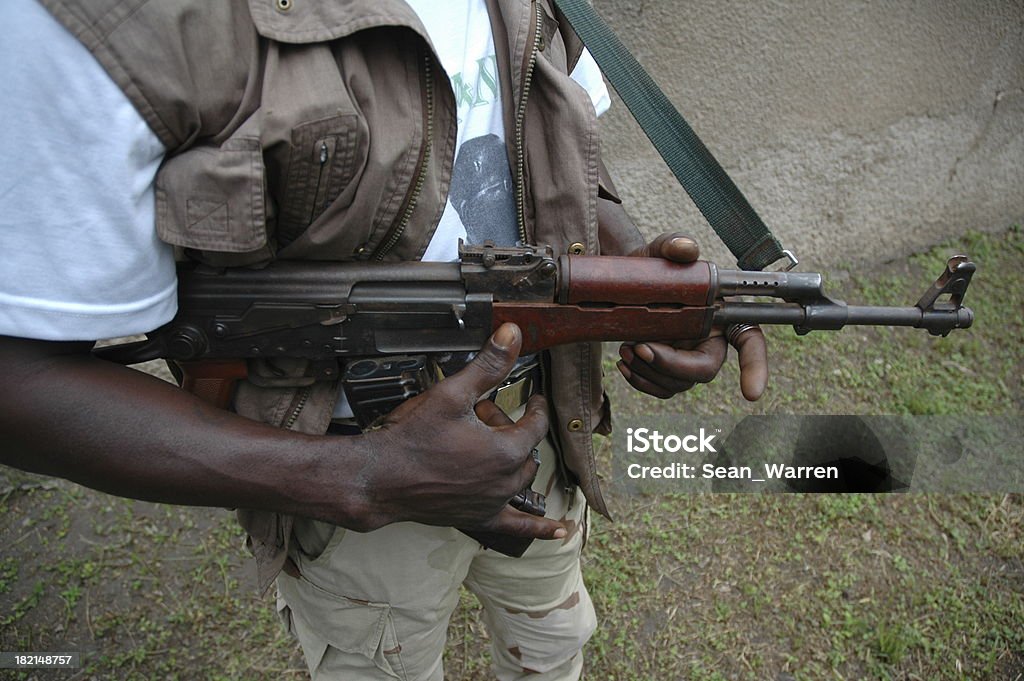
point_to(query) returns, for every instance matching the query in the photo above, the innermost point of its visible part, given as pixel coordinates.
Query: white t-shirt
(80, 256)
(481, 199)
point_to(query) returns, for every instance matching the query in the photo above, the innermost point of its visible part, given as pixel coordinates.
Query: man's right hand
(446, 458)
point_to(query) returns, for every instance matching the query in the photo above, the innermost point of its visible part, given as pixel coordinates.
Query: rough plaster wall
(858, 129)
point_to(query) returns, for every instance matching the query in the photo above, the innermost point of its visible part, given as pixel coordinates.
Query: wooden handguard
(604, 298)
(633, 281)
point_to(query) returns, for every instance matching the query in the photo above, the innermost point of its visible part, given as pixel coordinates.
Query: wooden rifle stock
(213, 381)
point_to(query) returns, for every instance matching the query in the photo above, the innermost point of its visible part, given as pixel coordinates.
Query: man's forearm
(130, 434)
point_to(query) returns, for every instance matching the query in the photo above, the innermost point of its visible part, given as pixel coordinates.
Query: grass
(687, 586)
(779, 585)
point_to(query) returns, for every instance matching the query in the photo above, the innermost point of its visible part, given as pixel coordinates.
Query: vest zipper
(298, 405)
(531, 61)
(421, 166)
(317, 198)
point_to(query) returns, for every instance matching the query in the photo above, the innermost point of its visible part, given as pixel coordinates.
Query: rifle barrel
(835, 315)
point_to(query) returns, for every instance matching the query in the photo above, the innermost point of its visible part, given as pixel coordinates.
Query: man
(296, 129)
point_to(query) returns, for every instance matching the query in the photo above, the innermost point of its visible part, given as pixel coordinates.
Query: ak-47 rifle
(386, 330)
(374, 323)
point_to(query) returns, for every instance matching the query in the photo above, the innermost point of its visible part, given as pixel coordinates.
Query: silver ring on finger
(734, 331)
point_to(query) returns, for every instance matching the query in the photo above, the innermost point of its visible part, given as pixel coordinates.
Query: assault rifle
(379, 323)
(387, 331)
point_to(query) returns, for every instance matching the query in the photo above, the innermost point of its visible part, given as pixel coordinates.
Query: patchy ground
(687, 586)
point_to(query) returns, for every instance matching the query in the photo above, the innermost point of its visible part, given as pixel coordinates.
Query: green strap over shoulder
(710, 188)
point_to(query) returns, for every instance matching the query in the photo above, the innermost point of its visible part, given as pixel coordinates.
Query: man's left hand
(664, 369)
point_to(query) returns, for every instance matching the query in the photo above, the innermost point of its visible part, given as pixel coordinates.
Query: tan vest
(313, 129)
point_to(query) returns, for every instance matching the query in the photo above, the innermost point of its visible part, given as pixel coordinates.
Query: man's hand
(662, 370)
(448, 458)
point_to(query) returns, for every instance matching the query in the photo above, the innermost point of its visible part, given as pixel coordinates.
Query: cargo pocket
(211, 198)
(343, 637)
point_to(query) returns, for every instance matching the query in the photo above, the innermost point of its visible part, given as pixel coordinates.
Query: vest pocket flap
(212, 198)
(288, 21)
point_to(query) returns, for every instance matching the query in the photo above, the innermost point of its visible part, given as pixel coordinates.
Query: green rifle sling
(711, 189)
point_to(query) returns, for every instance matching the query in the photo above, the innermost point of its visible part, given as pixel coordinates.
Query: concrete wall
(858, 129)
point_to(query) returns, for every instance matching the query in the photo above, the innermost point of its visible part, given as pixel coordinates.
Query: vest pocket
(321, 164)
(211, 198)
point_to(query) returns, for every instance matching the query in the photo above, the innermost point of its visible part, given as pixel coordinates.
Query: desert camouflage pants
(376, 605)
